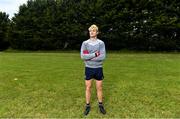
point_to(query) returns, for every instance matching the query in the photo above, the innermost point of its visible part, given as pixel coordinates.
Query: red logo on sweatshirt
(85, 52)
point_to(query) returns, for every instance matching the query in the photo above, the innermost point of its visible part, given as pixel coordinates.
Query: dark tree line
(4, 28)
(151, 25)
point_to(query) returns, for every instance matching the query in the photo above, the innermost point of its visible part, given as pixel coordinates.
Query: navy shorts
(94, 73)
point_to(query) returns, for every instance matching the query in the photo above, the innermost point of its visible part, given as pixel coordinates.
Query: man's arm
(86, 56)
(102, 52)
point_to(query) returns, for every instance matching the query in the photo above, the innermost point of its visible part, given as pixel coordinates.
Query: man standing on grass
(93, 53)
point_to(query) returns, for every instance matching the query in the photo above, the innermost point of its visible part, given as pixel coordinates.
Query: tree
(4, 26)
(124, 24)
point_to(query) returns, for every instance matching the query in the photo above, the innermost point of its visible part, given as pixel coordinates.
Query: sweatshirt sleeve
(86, 56)
(102, 51)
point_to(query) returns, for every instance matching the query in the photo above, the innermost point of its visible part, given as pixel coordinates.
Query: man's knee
(99, 88)
(88, 86)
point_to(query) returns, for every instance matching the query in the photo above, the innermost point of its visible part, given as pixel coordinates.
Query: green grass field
(52, 85)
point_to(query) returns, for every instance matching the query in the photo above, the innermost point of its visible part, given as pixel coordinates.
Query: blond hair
(93, 27)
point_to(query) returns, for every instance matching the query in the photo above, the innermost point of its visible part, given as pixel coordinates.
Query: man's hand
(97, 53)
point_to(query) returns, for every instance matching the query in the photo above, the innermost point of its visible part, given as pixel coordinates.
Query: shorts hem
(94, 79)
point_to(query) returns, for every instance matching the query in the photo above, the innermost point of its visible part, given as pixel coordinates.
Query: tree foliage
(4, 26)
(124, 24)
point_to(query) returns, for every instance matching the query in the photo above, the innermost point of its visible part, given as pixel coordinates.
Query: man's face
(93, 33)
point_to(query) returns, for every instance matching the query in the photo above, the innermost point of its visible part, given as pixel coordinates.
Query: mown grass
(44, 85)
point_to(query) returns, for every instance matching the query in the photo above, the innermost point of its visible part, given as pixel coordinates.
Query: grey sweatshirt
(93, 46)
